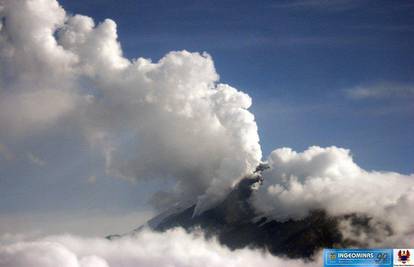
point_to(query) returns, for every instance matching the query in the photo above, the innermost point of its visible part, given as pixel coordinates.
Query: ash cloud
(169, 119)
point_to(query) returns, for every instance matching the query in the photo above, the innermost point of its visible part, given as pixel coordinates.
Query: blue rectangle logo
(358, 257)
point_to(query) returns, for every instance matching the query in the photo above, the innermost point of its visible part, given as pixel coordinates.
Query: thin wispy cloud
(326, 5)
(91, 179)
(5, 152)
(321, 40)
(35, 160)
(387, 28)
(381, 90)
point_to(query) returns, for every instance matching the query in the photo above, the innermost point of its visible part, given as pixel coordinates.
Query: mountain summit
(235, 224)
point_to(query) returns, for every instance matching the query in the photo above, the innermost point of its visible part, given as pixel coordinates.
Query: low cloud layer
(329, 179)
(175, 248)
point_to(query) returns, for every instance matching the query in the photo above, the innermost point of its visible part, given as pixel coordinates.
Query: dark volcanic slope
(237, 226)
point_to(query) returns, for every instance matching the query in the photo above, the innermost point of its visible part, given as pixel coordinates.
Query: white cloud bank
(329, 179)
(169, 119)
(175, 248)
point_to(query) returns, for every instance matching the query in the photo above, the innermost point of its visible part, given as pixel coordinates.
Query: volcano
(235, 223)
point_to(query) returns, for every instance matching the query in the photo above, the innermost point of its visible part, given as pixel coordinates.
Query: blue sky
(319, 73)
(297, 59)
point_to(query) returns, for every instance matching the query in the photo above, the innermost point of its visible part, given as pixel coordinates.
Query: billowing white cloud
(329, 179)
(35, 85)
(175, 248)
(170, 119)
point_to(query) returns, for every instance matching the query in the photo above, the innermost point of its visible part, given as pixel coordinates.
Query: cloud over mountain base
(174, 248)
